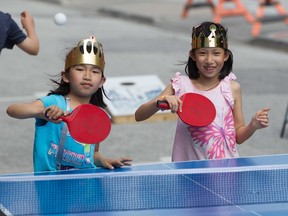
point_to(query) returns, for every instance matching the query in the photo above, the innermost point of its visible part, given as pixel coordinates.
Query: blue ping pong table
(231, 187)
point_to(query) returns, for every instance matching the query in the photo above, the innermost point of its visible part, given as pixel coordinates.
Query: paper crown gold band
(217, 37)
(88, 51)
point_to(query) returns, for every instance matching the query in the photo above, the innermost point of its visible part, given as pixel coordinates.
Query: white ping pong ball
(60, 19)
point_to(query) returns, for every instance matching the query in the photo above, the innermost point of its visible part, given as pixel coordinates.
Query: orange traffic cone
(260, 18)
(189, 4)
(238, 10)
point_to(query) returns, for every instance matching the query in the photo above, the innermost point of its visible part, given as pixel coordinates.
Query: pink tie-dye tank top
(215, 141)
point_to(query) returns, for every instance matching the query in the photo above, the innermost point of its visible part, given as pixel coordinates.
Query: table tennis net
(117, 191)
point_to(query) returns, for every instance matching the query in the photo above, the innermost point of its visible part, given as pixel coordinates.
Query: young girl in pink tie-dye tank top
(209, 73)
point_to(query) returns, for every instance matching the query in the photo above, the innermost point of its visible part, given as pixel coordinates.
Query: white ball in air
(60, 19)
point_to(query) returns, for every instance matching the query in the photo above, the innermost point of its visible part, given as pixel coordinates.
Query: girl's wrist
(253, 125)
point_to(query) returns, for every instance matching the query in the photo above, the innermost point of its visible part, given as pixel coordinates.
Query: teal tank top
(47, 138)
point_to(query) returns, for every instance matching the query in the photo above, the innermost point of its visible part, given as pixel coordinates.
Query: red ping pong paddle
(88, 124)
(197, 110)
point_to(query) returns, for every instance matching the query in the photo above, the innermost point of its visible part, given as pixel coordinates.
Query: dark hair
(63, 88)
(191, 68)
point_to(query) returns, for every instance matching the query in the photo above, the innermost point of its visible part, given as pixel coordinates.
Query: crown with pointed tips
(88, 51)
(209, 35)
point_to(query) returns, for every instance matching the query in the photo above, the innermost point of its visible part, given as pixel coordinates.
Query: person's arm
(26, 110)
(36, 109)
(107, 163)
(31, 43)
(149, 108)
(259, 120)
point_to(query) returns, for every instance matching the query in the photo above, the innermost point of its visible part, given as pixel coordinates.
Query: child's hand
(27, 20)
(174, 102)
(108, 163)
(261, 120)
(53, 113)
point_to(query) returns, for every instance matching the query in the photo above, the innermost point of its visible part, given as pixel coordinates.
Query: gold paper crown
(216, 38)
(88, 51)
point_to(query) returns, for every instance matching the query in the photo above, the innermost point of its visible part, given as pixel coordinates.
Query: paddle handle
(63, 118)
(163, 104)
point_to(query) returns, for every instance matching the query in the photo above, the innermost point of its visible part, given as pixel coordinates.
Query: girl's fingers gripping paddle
(197, 110)
(88, 124)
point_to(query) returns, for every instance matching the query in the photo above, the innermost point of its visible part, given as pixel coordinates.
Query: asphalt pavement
(139, 38)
